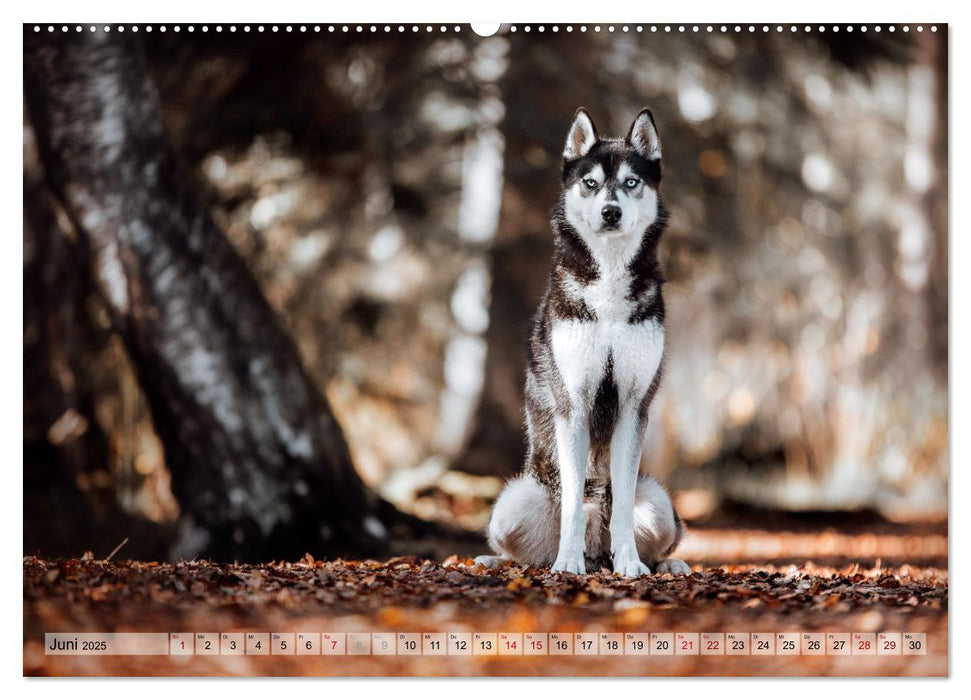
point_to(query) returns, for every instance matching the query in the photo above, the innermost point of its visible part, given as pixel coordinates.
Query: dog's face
(611, 185)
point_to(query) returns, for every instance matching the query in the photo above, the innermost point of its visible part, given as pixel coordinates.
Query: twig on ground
(115, 550)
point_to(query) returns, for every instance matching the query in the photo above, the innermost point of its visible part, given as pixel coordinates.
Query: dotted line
(723, 28)
(442, 29)
(257, 28)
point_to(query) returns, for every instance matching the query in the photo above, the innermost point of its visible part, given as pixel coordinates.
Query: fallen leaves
(365, 586)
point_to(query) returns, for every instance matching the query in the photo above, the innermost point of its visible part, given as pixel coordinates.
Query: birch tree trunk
(259, 463)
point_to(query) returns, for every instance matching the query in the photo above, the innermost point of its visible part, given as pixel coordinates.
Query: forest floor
(866, 578)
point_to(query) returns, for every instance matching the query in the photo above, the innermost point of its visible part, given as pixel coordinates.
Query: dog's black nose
(611, 214)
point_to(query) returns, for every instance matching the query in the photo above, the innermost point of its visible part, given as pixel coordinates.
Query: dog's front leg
(625, 457)
(572, 450)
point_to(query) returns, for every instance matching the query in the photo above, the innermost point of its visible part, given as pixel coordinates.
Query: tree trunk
(259, 463)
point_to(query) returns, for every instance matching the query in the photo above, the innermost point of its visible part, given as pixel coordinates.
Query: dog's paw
(631, 568)
(491, 562)
(570, 563)
(673, 566)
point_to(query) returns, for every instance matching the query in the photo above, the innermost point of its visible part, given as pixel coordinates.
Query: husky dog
(594, 364)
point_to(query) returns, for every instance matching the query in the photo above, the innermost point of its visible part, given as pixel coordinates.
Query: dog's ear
(643, 136)
(582, 136)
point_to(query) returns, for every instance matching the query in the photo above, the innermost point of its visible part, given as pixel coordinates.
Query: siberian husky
(595, 356)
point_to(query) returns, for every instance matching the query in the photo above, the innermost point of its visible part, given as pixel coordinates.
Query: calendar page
(395, 349)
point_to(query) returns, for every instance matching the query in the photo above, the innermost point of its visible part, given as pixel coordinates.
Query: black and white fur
(595, 355)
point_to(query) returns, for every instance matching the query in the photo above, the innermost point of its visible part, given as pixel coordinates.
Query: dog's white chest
(581, 348)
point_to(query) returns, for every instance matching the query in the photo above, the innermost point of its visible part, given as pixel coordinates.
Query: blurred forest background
(391, 194)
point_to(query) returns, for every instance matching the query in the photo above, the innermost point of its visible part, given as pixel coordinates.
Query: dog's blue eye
(592, 184)
(632, 182)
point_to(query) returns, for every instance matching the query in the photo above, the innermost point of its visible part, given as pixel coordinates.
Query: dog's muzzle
(611, 214)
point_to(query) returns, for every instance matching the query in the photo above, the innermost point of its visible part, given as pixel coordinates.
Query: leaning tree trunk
(259, 464)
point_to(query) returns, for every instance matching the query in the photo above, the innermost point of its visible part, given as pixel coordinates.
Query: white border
(421, 11)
